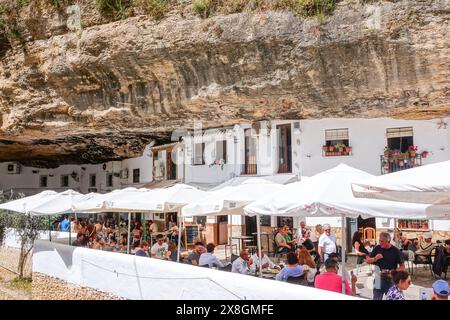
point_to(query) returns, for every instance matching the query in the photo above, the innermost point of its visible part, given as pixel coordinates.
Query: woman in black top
(306, 241)
(358, 244)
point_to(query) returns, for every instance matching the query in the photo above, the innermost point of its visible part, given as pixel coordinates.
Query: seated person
(172, 253)
(142, 250)
(194, 257)
(160, 248)
(112, 245)
(306, 241)
(280, 240)
(288, 236)
(424, 248)
(307, 263)
(79, 241)
(242, 264)
(331, 281)
(293, 269)
(266, 262)
(441, 290)
(208, 258)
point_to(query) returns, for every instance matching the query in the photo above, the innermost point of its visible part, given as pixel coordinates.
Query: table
(240, 238)
(268, 240)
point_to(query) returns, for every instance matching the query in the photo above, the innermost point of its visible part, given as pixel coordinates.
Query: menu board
(191, 234)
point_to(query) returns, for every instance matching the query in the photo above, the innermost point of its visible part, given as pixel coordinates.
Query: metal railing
(400, 162)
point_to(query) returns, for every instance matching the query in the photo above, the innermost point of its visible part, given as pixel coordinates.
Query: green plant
(22, 283)
(156, 8)
(200, 6)
(23, 3)
(117, 8)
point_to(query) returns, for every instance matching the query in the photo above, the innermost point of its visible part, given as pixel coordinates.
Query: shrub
(156, 8)
(308, 8)
(117, 8)
(201, 6)
(23, 3)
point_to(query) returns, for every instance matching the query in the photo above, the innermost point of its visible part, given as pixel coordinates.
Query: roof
(160, 184)
(164, 146)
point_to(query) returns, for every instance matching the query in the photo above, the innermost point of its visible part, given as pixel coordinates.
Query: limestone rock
(105, 91)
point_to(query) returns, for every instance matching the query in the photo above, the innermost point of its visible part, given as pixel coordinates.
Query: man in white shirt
(160, 248)
(242, 264)
(266, 262)
(208, 258)
(299, 232)
(327, 243)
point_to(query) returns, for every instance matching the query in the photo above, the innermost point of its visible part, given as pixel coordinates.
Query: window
(109, 179)
(285, 221)
(399, 138)
(92, 180)
(221, 150)
(265, 220)
(199, 149)
(43, 181)
(416, 224)
(136, 173)
(336, 137)
(64, 180)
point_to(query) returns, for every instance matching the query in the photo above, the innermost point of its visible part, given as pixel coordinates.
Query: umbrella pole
(180, 226)
(129, 233)
(49, 229)
(258, 229)
(343, 252)
(145, 228)
(70, 230)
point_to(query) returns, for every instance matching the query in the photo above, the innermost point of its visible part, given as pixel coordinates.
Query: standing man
(65, 224)
(242, 264)
(387, 258)
(327, 243)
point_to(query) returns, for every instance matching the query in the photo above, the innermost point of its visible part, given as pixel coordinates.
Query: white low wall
(12, 241)
(152, 279)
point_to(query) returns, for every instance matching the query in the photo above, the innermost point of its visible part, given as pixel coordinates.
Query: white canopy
(139, 200)
(168, 199)
(57, 204)
(109, 202)
(24, 205)
(329, 194)
(278, 178)
(425, 184)
(231, 200)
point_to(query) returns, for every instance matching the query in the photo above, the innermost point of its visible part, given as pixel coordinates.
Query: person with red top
(331, 281)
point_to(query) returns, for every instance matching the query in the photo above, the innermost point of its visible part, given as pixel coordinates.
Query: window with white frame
(221, 150)
(399, 138)
(199, 149)
(337, 137)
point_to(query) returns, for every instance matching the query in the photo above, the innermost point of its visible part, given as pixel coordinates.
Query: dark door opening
(250, 225)
(250, 165)
(284, 148)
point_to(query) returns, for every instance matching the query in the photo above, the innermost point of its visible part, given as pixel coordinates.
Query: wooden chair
(369, 234)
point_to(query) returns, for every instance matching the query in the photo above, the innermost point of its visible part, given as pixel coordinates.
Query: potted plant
(347, 149)
(324, 148)
(331, 148)
(412, 151)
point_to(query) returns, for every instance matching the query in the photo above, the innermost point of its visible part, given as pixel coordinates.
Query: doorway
(222, 229)
(250, 164)
(284, 148)
(250, 225)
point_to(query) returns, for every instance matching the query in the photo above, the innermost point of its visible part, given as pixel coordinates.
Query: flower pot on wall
(331, 148)
(347, 149)
(340, 149)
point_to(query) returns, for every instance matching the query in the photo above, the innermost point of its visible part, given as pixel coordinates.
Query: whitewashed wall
(368, 139)
(152, 279)
(28, 180)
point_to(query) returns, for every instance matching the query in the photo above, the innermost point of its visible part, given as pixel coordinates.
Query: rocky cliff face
(103, 92)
